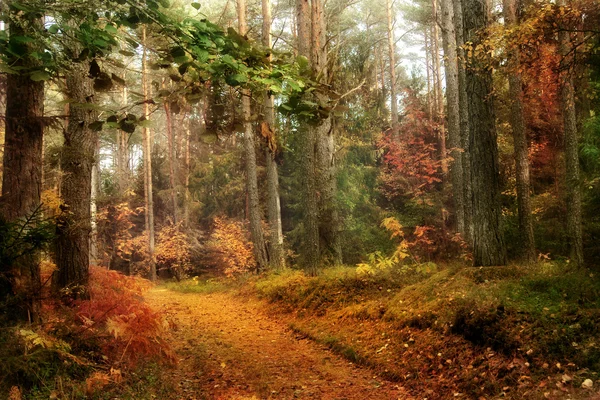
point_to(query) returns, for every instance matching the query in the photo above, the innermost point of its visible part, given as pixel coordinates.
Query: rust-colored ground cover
(229, 348)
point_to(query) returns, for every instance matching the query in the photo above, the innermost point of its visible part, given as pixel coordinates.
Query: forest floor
(229, 348)
(456, 333)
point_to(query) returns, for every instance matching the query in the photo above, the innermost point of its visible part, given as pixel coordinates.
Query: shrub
(126, 329)
(229, 248)
(173, 251)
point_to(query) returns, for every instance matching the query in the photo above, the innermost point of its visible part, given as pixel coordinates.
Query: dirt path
(228, 348)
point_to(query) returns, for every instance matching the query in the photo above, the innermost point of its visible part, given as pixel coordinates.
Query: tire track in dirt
(228, 348)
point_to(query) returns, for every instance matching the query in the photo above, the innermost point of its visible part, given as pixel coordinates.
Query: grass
(546, 314)
(201, 286)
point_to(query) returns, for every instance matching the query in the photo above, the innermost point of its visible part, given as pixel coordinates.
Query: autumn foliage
(126, 328)
(229, 247)
(173, 251)
(411, 165)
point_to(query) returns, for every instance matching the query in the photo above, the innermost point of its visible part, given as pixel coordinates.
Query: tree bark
(488, 241)
(72, 245)
(254, 214)
(440, 93)
(147, 155)
(392, 69)
(276, 255)
(22, 176)
(171, 157)
(311, 248)
(573, 191)
(329, 224)
(123, 153)
(453, 112)
(521, 152)
(463, 110)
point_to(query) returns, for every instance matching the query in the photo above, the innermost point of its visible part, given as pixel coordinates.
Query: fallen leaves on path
(228, 348)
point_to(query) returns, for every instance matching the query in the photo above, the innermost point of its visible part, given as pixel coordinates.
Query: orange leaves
(173, 251)
(128, 330)
(229, 248)
(411, 164)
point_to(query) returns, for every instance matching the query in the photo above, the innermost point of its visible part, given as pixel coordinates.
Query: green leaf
(196, 5)
(53, 29)
(38, 76)
(110, 29)
(236, 79)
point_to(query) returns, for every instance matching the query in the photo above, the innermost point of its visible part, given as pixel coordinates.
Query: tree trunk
(517, 122)
(451, 67)
(463, 109)
(488, 241)
(77, 161)
(311, 248)
(428, 76)
(440, 93)
(94, 208)
(392, 70)
(123, 153)
(276, 255)
(171, 157)
(573, 192)
(22, 178)
(329, 224)
(254, 214)
(147, 155)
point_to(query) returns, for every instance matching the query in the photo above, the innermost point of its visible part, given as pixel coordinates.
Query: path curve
(229, 348)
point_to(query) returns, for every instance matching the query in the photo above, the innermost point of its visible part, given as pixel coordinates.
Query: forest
(314, 199)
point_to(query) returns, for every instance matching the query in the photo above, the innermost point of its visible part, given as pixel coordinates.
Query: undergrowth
(86, 346)
(541, 320)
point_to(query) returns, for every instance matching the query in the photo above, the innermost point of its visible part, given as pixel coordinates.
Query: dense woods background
(168, 139)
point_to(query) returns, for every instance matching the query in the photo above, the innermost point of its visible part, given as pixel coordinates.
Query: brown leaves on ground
(229, 348)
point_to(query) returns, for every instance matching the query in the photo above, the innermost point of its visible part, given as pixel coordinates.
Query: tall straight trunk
(488, 241)
(463, 110)
(439, 91)
(329, 224)
(517, 122)
(276, 255)
(188, 159)
(123, 152)
(22, 177)
(453, 113)
(254, 214)
(94, 208)
(392, 70)
(72, 247)
(147, 155)
(573, 192)
(428, 76)
(311, 248)
(171, 157)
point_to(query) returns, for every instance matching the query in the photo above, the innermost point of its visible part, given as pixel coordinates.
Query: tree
(572, 178)
(453, 112)
(311, 248)
(72, 246)
(276, 256)
(517, 122)
(392, 68)
(463, 111)
(147, 155)
(254, 214)
(22, 160)
(488, 242)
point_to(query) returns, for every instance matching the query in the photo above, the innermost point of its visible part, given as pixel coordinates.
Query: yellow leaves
(229, 247)
(33, 340)
(393, 226)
